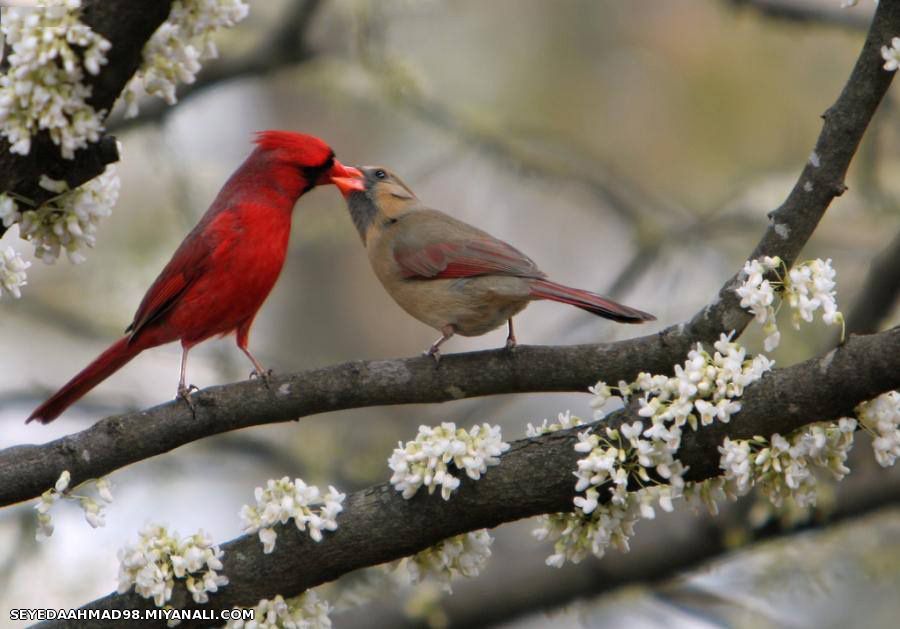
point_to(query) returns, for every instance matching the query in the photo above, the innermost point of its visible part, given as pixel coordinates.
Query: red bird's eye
(380, 174)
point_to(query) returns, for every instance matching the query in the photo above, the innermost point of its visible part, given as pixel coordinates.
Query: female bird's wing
(435, 245)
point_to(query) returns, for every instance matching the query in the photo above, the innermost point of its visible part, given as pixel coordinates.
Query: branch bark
(534, 477)
(127, 24)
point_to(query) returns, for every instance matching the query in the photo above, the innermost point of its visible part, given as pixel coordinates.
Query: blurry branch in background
(26, 471)
(285, 46)
(534, 477)
(879, 292)
(127, 24)
(809, 11)
(625, 199)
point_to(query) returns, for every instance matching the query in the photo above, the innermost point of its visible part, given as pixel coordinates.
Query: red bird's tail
(592, 302)
(102, 368)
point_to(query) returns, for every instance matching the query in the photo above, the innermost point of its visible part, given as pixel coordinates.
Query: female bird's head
(299, 159)
(374, 196)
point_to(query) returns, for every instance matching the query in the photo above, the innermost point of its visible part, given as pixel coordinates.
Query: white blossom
(625, 471)
(563, 421)
(463, 555)
(69, 221)
(159, 557)
(806, 288)
(782, 468)
(174, 52)
(306, 611)
(881, 417)
(283, 500)
(436, 453)
(43, 88)
(891, 55)
(93, 511)
(12, 272)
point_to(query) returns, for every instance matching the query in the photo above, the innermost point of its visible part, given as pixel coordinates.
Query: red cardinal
(446, 273)
(224, 269)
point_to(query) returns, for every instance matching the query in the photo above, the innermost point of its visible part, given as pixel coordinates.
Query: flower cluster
(283, 500)
(12, 272)
(807, 287)
(881, 417)
(563, 421)
(427, 460)
(704, 389)
(465, 555)
(158, 558)
(891, 55)
(93, 510)
(176, 49)
(43, 87)
(783, 468)
(68, 221)
(306, 611)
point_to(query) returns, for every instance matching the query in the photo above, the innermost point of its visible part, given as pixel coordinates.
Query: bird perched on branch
(226, 266)
(446, 273)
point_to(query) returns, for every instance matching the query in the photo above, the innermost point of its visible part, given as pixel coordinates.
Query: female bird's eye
(380, 174)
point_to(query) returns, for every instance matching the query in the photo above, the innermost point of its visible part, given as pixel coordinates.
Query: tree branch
(127, 24)
(534, 477)
(27, 470)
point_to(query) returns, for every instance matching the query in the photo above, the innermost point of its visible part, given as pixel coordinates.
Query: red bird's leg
(243, 338)
(434, 351)
(184, 391)
(511, 337)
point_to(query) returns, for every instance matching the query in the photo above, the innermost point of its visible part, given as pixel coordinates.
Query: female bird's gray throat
(362, 211)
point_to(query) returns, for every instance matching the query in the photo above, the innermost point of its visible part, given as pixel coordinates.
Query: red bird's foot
(265, 376)
(184, 393)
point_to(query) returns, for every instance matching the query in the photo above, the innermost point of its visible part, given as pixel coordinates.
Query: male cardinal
(224, 269)
(446, 273)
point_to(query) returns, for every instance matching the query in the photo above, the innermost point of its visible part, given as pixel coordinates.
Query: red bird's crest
(299, 148)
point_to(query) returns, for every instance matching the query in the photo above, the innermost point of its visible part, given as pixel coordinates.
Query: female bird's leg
(511, 337)
(434, 351)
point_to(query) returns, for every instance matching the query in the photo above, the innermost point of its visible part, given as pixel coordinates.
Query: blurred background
(631, 148)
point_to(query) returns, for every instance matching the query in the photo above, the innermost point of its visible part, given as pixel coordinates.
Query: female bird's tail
(102, 368)
(592, 302)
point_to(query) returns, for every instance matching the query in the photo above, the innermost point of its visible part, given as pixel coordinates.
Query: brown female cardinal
(226, 266)
(446, 273)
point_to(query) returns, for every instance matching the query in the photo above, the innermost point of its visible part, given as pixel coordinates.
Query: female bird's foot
(434, 352)
(511, 337)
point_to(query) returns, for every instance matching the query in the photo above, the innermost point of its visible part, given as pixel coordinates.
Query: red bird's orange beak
(347, 178)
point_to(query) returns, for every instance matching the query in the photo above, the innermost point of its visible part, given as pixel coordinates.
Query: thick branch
(26, 471)
(533, 478)
(127, 24)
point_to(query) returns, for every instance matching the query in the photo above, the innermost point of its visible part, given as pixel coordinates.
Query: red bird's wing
(469, 258)
(190, 261)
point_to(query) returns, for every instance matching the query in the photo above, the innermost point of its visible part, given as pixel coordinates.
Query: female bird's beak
(347, 178)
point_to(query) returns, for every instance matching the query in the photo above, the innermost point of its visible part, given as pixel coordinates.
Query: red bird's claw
(184, 393)
(266, 376)
(434, 353)
(511, 343)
